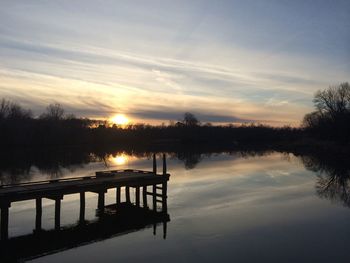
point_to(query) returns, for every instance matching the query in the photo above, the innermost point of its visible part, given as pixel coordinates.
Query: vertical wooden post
(154, 163)
(82, 208)
(127, 194)
(164, 229)
(58, 213)
(118, 195)
(5, 221)
(144, 195)
(39, 211)
(101, 201)
(154, 197)
(164, 197)
(137, 193)
(164, 164)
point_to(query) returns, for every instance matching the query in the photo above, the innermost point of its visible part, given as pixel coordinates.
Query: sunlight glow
(120, 119)
(119, 159)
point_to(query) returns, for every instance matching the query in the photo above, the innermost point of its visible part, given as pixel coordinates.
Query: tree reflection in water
(333, 176)
(333, 171)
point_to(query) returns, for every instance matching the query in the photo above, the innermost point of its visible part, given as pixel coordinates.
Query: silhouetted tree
(190, 119)
(12, 111)
(53, 112)
(333, 101)
(332, 116)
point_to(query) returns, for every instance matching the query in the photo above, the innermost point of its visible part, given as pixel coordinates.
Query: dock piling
(164, 164)
(127, 194)
(5, 220)
(164, 229)
(117, 195)
(137, 193)
(39, 211)
(144, 195)
(58, 213)
(101, 201)
(154, 164)
(82, 208)
(154, 196)
(164, 197)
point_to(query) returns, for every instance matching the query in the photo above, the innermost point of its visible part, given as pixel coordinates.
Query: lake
(223, 207)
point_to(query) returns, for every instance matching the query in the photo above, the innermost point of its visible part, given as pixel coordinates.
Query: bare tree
(13, 111)
(190, 119)
(54, 112)
(333, 101)
(4, 108)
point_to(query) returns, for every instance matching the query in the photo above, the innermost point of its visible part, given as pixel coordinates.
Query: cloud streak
(123, 57)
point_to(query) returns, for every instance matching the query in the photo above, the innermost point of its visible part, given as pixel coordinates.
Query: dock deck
(59, 187)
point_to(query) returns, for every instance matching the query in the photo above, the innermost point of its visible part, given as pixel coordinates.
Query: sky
(225, 61)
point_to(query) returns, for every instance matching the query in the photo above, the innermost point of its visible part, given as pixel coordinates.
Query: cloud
(276, 103)
(145, 61)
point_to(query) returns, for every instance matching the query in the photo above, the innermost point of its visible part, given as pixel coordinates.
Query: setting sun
(120, 119)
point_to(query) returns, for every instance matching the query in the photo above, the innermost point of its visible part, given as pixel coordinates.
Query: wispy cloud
(123, 57)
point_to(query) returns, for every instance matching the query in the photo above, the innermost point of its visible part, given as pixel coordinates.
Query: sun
(120, 119)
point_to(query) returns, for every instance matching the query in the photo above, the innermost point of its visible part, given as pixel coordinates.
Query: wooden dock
(99, 183)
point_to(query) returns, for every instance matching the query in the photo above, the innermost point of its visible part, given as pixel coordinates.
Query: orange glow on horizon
(120, 119)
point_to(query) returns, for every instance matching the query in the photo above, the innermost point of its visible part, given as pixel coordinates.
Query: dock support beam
(154, 196)
(144, 195)
(127, 194)
(117, 192)
(164, 197)
(154, 229)
(101, 201)
(5, 221)
(164, 229)
(58, 213)
(39, 212)
(137, 193)
(154, 164)
(164, 164)
(82, 208)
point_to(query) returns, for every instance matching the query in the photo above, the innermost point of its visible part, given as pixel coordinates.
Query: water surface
(223, 207)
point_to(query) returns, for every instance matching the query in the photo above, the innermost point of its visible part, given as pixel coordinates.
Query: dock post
(127, 194)
(154, 164)
(144, 195)
(164, 197)
(117, 190)
(39, 212)
(164, 164)
(101, 201)
(137, 193)
(154, 197)
(164, 229)
(5, 220)
(58, 213)
(82, 208)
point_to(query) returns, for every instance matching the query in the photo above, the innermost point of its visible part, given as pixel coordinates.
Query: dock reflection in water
(113, 220)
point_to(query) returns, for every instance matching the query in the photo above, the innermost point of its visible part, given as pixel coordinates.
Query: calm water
(223, 208)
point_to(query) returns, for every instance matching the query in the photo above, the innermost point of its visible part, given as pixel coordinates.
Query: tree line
(18, 127)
